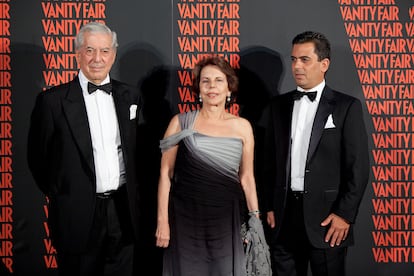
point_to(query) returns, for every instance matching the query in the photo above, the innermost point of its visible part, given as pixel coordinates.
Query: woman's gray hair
(94, 27)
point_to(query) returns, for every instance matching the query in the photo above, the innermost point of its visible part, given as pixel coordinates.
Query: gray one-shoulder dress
(206, 205)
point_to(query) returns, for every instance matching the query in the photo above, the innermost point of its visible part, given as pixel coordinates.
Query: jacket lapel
(122, 105)
(75, 111)
(326, 107)
(287, 111)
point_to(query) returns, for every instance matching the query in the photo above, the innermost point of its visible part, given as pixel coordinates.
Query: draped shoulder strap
(187, 119)
(186, 122)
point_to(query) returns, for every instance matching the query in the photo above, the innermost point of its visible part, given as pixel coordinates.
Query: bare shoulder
(242, 122)
(241, 126)
(173, 127)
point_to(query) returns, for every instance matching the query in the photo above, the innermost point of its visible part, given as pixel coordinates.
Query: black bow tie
(105, 87)
(297, 95)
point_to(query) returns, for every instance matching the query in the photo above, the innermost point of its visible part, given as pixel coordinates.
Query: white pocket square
(330, 122)
(133, 111)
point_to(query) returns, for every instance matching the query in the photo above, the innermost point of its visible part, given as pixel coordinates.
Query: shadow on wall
(140, 66)
(260, 73)
(28, 214)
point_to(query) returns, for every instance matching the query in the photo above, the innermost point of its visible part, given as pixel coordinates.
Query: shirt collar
(319, 88)
(84, 81)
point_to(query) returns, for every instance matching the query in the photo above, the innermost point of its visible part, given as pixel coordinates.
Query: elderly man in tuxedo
(82, 152)
(316, 166)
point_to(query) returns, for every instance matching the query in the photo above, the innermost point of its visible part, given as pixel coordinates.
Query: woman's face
(214, 87)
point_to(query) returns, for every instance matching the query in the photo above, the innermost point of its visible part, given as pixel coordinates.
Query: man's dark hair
(322, 45)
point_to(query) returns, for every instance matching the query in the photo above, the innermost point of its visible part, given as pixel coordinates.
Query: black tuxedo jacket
(61, 160)
(337, 166)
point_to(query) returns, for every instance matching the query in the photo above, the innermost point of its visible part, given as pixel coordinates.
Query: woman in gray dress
(206, 180)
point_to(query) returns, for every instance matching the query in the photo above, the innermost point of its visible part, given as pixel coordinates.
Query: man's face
(306, 69)
(96, 56)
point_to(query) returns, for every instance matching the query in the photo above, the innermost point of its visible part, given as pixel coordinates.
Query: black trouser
(292, 251)
(111, 248)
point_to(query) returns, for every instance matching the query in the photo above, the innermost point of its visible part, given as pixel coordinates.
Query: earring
(228, 98)
(200, 100)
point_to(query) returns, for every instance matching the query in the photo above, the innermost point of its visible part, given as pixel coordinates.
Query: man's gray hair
(94, 27)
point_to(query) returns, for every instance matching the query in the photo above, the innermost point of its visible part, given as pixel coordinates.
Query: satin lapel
(75, 110)
(282, 113)
(122, 104)
(287, 111)
(326, 107)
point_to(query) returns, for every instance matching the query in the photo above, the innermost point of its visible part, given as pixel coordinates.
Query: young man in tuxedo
(82, 152)
(316, 166)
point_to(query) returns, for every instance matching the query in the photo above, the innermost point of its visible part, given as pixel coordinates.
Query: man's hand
(338, 231)
(270, 218)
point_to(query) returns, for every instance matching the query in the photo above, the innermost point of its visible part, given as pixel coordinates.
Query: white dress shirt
(106, 141)
(304, 111)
